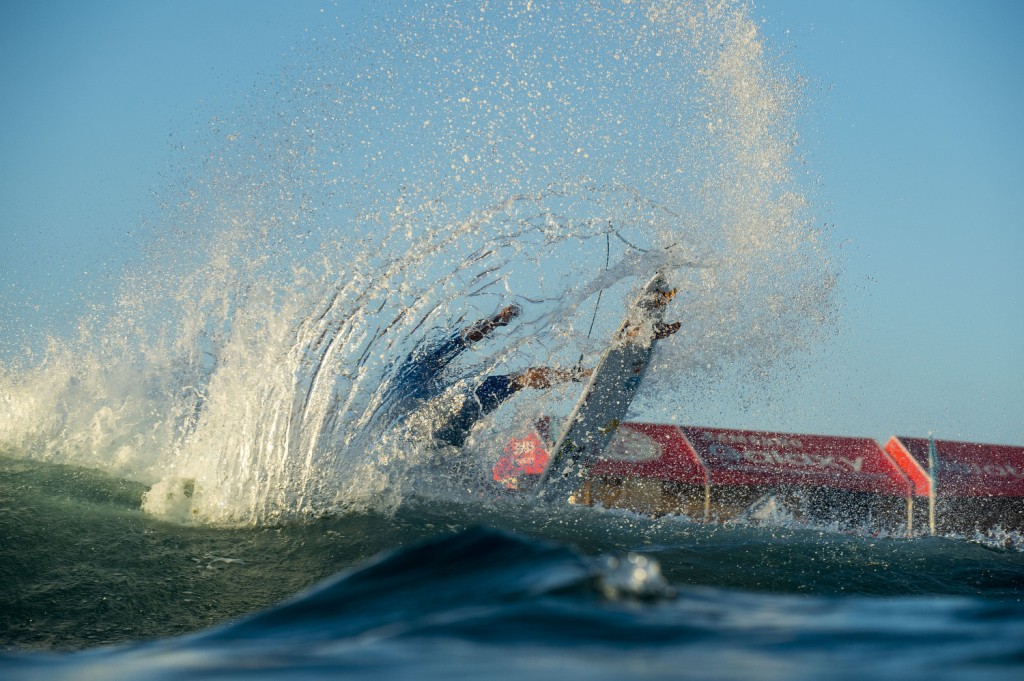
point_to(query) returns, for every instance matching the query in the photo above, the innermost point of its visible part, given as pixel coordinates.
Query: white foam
(325, 231)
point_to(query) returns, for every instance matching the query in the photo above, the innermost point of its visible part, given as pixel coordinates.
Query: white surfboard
(607, 396)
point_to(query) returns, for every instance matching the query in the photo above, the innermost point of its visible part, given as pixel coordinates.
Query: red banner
(719, 457)
(648, 450)
(743, 457)
(963, 469)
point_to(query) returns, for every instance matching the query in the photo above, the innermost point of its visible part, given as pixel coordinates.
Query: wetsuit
(418, 381)
(484, 399)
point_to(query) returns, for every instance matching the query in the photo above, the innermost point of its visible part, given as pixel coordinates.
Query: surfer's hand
(505, 315)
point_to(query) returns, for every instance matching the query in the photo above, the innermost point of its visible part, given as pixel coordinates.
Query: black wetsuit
(418, 381)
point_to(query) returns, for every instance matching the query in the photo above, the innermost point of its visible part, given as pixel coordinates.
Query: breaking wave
(406, 174)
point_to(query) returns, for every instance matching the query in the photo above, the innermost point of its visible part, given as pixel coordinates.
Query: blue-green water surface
(93, 587)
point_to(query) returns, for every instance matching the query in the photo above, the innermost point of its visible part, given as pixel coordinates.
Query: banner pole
(933, 472)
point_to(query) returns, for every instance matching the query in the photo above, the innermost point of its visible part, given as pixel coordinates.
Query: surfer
(449, 412)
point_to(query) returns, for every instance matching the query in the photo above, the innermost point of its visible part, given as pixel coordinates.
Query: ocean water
(200, 483)
(95, 588)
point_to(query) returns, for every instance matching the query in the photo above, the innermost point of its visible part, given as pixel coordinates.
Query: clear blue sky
(913, 126)
(910, 130)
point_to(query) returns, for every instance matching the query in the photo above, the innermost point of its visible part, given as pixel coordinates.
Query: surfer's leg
(487, 397)
(418, 379)
(427, 367)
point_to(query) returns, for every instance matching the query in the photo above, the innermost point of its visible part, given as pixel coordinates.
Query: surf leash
(597, 303)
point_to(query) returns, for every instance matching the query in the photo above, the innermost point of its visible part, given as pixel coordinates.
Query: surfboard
(609, 392)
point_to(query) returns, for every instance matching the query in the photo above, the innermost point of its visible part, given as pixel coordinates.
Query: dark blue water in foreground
(432, 592)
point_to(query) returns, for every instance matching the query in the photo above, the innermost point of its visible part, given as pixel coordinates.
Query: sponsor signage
(647, 450)
(694, 455)
(741, 457)
(721, 457)
(964, 469)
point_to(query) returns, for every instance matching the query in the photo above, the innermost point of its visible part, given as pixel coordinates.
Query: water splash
(406, 174)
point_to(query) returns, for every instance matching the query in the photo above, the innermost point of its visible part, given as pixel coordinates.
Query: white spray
(408, 175)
